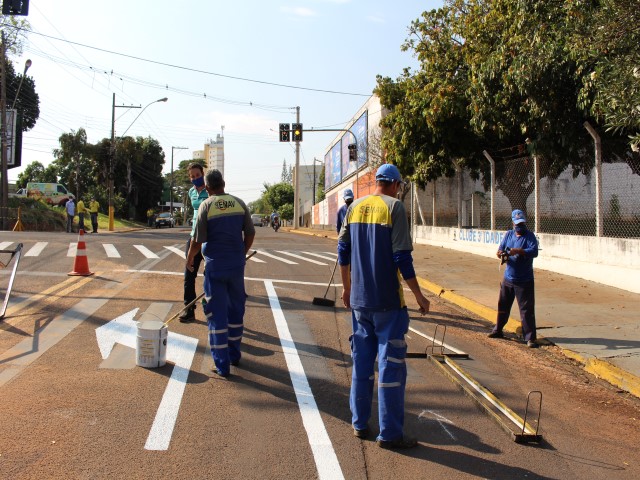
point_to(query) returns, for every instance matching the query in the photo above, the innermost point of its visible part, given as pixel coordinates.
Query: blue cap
(347, 194)
(517, 216)
(389, 173)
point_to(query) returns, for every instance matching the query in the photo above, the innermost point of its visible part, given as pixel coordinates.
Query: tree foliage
(278, 195)
(506, 76)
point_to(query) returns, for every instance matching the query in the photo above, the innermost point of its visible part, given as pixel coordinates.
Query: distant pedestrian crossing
(138, 252)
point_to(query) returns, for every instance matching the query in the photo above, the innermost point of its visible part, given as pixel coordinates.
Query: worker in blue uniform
(197, 195)
(519, 247)
(374, 248)
(224, 232)
(347, 196)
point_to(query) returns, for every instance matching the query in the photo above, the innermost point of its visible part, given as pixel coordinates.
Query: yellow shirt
(80, 207)
(94, 207)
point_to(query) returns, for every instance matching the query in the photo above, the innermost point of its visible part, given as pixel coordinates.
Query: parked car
(165, 220)
(257, 219)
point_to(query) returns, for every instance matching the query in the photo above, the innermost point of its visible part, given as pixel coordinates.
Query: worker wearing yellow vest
(81, 210)
(94, 207)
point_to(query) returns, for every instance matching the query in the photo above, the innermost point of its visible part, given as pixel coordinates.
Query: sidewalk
(597, 325)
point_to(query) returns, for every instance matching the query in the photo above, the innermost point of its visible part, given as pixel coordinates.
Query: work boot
(187, 316)
(496, 335)
(404, 442)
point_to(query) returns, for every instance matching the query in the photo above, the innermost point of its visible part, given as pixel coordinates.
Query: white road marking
(5, 245)
(323, 453)
(284, 260)
(177, 251)
(301, 257)
(19, 357)
(180, 350)
(440, 419)
(73, 249)
(146, 252)
(36, 249)
(320, 255)
(111, 250)
(256, 259)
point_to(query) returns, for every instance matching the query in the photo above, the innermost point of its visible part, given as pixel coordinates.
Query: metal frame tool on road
(14, 253)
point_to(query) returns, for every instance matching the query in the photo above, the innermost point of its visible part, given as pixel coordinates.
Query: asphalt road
(74, 405)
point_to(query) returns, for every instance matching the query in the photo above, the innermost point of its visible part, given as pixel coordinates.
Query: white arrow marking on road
(180, 350)
(121, 330)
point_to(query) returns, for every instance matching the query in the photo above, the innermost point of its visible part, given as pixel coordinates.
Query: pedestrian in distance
(518, 247)
(224, 233)
(71, 212)
(197, 195)
(81, 209)
(94, 208)
(373, 246)
(347, 196)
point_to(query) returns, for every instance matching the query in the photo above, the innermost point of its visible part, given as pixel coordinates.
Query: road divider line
(145, 251)
(177, 251)
(319, 255)
(283, 260)
(111, 250)
(36, 249)
(324, 455)
(300, 257)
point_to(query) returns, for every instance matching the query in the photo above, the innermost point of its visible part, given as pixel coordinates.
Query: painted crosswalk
(114, 251)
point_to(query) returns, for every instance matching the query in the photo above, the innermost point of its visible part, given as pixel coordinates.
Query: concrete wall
(610, 261)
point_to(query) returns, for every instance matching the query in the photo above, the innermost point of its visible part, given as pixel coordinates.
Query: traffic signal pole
(296, 200)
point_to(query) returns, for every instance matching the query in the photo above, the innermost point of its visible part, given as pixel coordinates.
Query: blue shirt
(375, 241)
(222, 221)
(196, 199)
(342, 212)
(520, 267)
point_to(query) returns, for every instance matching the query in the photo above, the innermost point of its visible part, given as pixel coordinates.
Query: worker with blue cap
(347, 195)
(518, 248)
(374, 249)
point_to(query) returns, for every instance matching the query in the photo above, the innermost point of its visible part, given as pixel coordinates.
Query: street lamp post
(171, 182)
(315, 183)
(112, 156)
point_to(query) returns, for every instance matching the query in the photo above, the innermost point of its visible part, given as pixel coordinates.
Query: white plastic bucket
(151, 344)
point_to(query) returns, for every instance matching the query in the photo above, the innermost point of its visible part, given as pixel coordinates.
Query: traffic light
(353, 152)
(296, 128)
(284, 132)
(15, 7)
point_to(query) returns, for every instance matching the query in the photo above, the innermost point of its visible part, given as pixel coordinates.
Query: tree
(32, 173)
(28, 101)
(278, 194)
(73, 163)
(286, 211)
(287, 173)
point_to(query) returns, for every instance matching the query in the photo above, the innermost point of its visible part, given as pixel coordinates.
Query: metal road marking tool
(492, 405)
(14, 254)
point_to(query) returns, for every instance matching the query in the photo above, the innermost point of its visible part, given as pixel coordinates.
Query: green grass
(39, 217)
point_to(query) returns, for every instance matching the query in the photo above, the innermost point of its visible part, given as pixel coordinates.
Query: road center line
(323, 453)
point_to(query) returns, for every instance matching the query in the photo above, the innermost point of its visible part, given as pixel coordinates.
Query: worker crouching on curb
(520, 246)
(224, 232)
(374, 248)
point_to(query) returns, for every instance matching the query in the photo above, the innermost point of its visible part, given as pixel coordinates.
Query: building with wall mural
(341, 173)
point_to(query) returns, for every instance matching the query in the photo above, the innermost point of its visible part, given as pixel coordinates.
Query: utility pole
(3, 133)
(296, 200)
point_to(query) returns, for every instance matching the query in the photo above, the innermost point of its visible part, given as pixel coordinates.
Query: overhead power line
(189, 69)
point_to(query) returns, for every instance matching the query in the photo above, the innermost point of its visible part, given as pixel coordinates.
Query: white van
(52, 193)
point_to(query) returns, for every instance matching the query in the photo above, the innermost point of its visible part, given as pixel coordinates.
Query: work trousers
(525, 294)
(69, 223)
(190, 277)
(81, 221)
(225, 303)
(379, 334)
(94, 222)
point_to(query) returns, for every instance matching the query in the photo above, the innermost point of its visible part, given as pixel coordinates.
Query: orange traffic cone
(81, 265)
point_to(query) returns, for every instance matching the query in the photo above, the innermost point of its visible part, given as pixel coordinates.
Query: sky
(243, 64)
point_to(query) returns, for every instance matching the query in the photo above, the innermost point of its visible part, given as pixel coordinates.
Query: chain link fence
(567, 203)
